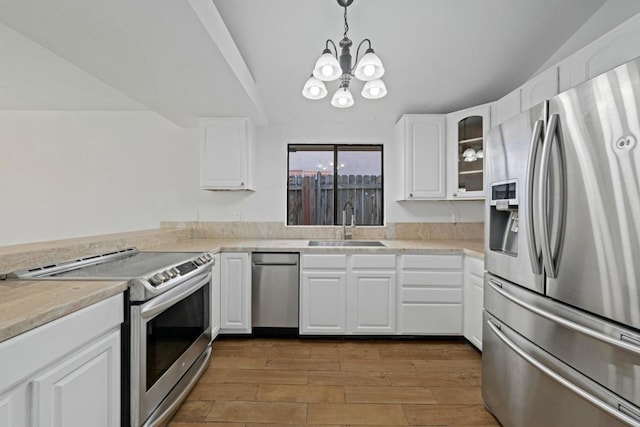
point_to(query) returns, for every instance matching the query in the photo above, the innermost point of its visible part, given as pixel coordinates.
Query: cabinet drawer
(432, 295)
(474, 265)
(336, 261)
(443, 319)
(431, 278)
(436, 262)
(374, 261)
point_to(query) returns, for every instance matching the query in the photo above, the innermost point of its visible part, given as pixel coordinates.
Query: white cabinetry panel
(227, 151)
(422, 142)
(372, 294)
(323, 302)
(215, 296)
(506, 107)
(540, 88)
(65, 373)
(235, 293)
(473, 299)
(82, 391)
(430, 295)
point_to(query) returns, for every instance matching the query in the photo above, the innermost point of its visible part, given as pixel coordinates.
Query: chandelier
(327, 69)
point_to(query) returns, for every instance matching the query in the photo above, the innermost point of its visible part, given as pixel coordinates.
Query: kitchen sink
(369, 243)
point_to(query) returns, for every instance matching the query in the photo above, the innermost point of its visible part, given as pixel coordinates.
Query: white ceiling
(176, 57)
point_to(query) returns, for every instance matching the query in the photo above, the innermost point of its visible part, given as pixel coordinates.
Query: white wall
(268, 202)
(71, 174)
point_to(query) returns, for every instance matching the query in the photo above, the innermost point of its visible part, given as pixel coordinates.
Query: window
(323, 178)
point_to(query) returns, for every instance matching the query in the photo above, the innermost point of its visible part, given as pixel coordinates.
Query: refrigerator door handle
(534, 251)
(543, 198)
(621, 343)
(624, 417)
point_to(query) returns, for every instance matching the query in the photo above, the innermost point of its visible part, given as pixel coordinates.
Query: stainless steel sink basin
(340, 243)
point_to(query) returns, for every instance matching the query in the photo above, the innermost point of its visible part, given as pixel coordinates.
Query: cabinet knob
(455, 194)
(242, 184)
(410, 194)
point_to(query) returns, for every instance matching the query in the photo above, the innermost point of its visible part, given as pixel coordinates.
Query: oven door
(168, 333)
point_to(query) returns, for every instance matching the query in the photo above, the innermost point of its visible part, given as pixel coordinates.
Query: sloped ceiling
(193, 58)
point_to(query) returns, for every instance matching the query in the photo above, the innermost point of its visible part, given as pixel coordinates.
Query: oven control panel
(180, 269)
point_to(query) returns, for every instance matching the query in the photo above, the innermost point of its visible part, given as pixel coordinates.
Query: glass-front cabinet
(466, 132)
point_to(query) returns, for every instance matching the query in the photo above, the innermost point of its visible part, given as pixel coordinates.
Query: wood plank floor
(262, 382)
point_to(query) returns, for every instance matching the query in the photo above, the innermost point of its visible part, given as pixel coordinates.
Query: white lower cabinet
(323, 294)
(473, 299)
(430, 295)
(66, 372)
(235, 293)
(372, 294)
(215, 297)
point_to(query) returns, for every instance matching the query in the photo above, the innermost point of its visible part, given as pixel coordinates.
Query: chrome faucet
(348, 235)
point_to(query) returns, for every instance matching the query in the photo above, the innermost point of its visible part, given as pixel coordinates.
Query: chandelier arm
(335, 49)
(355, 63)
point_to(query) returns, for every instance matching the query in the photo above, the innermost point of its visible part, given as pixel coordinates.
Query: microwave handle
(169, 298)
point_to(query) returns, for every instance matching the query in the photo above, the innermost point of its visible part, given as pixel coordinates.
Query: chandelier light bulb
(342, 98)
(369, 68)
(314, 89)
(374, 89)
(327, 67)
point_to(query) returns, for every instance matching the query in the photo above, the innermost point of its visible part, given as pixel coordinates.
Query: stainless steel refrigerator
(561, 329)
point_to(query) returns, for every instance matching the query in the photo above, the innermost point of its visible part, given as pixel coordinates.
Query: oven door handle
(169, 298)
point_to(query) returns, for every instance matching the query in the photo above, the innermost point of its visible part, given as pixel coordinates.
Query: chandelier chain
(346, 25)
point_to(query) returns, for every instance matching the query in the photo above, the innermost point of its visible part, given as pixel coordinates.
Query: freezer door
(590, 198)
(512, 163)
(523, 386)
(602, 351)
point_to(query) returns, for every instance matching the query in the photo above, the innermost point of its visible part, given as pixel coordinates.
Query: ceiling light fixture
(329, 67)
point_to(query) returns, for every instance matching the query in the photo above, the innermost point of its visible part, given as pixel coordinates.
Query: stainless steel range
(168, 332)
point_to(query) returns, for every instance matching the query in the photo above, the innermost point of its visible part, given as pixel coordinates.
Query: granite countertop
(27, 304)
(470, 247)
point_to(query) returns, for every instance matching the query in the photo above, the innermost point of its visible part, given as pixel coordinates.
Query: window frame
(335, 148)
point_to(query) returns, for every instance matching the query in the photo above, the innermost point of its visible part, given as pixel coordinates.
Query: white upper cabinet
(466, 133)
(620, 45)
(506, 107)
(422, 147)
(540, 88)
(227, 152)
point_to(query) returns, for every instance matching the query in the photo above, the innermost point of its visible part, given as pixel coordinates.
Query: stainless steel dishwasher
(275, 293)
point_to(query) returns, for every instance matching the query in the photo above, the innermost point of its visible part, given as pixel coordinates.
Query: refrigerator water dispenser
(503, 218)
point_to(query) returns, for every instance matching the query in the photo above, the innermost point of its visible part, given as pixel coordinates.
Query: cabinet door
(620, 45)
(215, 296)
(540, 88)
(466, 133)
(473, 300)
(372, 306)
(82, 391)
(323, 299)
(235, 293)
(226, 154)
(422, 137)
(506, 107)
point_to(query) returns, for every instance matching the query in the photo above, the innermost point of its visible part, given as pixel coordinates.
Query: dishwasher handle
(263, 263)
